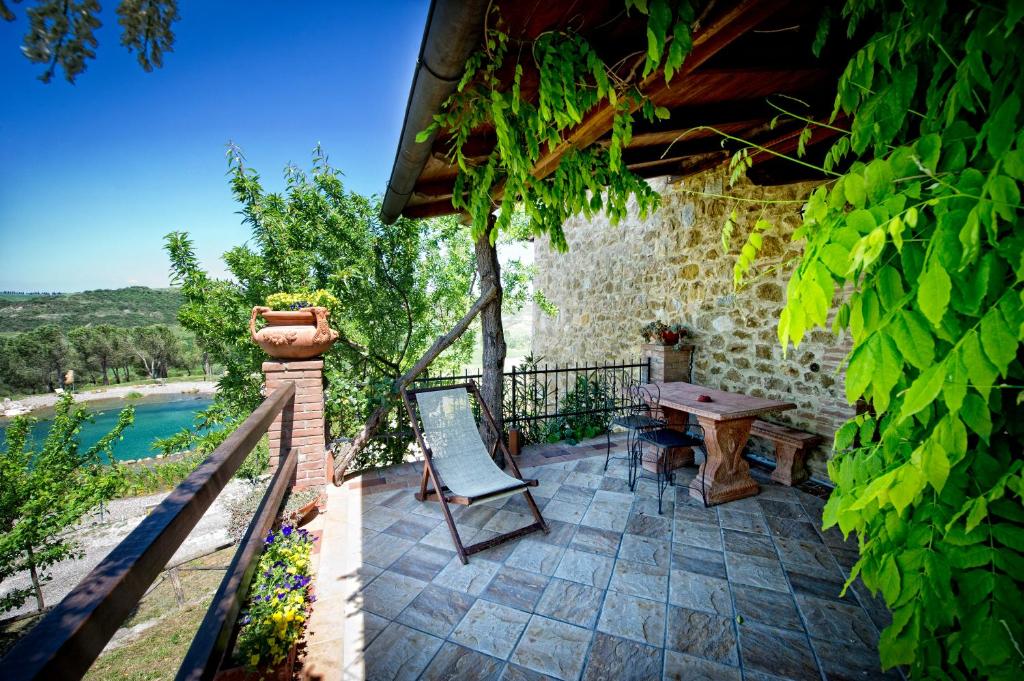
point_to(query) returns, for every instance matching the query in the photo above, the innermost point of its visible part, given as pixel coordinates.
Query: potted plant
(296, 325)
(664, 334)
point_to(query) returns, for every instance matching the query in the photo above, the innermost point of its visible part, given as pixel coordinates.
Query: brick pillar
(667, 363)
(302, 428)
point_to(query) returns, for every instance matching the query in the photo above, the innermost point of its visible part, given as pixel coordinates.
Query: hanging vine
(574, 81)
(924, 233)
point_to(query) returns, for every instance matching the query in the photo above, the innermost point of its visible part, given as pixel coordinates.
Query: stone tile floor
(746, 590)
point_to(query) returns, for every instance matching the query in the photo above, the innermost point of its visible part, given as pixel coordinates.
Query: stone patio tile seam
(800, 614)
(732, 598)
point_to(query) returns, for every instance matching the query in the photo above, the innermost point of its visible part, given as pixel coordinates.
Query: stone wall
(672, 266)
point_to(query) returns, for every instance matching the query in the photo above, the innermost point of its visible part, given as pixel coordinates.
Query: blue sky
(92, 175)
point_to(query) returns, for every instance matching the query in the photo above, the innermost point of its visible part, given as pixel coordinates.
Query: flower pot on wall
(669, 337)
(293, 334)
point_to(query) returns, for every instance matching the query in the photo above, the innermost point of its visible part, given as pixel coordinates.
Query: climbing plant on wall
(917, 252)
(573, 82)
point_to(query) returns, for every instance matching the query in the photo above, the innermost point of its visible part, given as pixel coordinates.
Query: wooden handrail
(72, 635)
(213, 639)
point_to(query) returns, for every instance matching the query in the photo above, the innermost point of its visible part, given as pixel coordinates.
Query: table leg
(725, 476)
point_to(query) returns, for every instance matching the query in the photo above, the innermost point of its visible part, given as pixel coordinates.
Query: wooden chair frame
(441, 493)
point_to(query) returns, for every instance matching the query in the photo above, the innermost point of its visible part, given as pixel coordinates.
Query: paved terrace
(747, 590)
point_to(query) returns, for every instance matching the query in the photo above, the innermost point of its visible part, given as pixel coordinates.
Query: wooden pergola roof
(745, 54)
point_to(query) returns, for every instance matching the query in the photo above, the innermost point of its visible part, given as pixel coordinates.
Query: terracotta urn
(293, 334)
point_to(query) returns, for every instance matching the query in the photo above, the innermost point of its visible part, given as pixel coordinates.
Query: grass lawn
(156, 652)
(170, 612)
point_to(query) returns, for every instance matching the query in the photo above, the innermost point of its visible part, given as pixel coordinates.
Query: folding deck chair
(456, 462)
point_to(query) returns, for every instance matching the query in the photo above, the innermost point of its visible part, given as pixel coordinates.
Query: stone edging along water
(33, 402)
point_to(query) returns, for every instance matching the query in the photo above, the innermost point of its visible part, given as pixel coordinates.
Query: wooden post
(515, 447)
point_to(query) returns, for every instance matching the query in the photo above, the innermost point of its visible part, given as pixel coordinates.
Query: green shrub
(590, 393)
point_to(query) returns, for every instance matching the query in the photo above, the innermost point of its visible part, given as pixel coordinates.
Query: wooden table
(726, 419)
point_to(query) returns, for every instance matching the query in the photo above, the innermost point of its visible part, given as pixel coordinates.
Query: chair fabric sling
(458, 452)
(456, 461)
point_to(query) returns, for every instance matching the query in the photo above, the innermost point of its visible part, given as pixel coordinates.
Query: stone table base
(725, 476)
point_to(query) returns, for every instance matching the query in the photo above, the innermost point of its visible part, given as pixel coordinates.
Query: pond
(155, 417)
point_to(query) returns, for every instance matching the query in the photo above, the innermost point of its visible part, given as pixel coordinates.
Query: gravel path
(96, 539)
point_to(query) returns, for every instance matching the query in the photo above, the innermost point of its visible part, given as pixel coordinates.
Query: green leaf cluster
(392, 290)
(46, 490)
(917, 252)
(62, 33)
(574, 81)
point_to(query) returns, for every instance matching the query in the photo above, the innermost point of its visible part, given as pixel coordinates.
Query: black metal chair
(638, 411)
(662, 439)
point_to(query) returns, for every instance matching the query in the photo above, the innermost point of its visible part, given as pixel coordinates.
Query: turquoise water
(155, 417)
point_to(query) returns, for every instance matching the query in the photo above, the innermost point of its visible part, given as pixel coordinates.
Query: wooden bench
(791, 447)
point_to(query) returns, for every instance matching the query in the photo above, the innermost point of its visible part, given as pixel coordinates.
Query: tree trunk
(103, 365)
(35, 580)
(377, 418)
(207, 369)
(492, 382)
(117, 374)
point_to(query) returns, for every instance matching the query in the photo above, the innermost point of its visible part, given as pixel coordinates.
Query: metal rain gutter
(451, 34)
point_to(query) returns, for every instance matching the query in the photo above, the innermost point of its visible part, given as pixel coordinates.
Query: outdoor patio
(749, 589)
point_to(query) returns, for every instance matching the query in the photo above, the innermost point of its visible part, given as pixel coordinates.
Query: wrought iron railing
(538, 394)
(70, 637)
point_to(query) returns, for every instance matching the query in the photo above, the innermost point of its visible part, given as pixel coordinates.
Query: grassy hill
(132, 306)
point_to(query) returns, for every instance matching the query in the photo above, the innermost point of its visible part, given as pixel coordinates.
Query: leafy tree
(400, 286)
(97, 346)
(62, 33)
(45, 491)
(156, 347)
(35, 361)
(41, 357)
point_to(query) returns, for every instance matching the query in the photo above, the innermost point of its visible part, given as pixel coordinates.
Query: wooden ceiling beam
(721, 31)
(674, 137)
(429, 210)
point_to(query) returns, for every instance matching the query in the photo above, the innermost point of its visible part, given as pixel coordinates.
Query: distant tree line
(38, 360)
(31, 293)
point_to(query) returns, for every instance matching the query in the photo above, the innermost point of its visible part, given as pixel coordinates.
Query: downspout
(450, 35)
